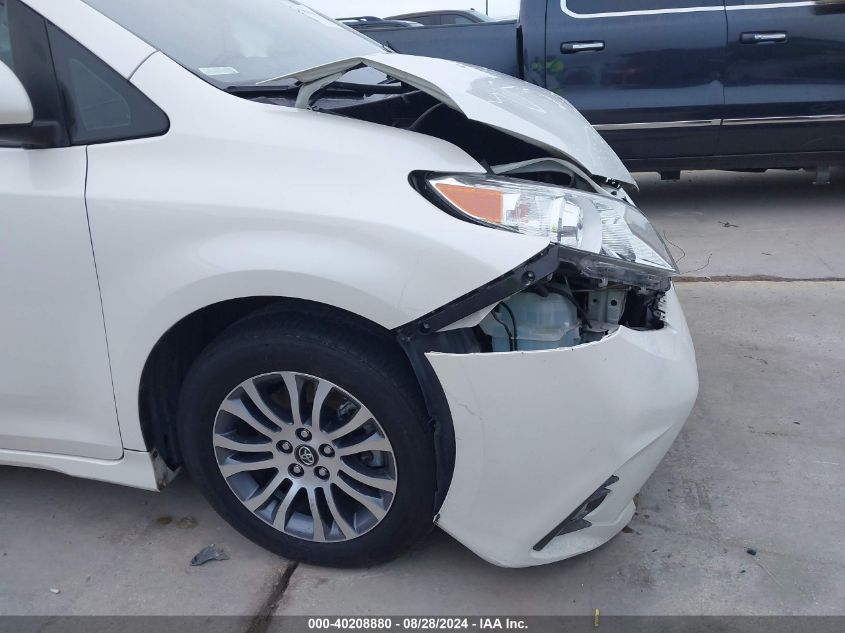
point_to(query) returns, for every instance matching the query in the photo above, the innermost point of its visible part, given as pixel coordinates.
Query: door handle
(577, 47)
(762, 38)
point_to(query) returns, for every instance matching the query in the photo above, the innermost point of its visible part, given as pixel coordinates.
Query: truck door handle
(762, 38)
(577, 47)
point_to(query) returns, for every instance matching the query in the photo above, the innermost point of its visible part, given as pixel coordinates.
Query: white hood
(515, 107)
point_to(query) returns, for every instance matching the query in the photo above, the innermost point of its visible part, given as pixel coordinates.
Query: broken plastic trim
(420, 337)
(605, 268)
(520, 278)
(576, 520)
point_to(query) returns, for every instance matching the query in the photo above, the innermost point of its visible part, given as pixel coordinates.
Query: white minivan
(354, 293)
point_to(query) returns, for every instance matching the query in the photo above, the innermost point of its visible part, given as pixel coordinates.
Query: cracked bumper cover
(538, 432)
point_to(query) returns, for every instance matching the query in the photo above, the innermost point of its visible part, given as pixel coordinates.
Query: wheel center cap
(306, 455)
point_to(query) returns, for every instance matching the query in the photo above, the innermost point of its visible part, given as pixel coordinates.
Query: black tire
(357, 359)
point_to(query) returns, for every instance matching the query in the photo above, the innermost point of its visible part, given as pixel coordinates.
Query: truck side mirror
(15, 106)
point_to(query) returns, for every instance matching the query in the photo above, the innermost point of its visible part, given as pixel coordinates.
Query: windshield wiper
(368, 89)
(265, 90)
(294, 88)
(337, 86)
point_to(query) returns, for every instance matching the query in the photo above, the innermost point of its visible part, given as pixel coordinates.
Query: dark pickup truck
(676, 84)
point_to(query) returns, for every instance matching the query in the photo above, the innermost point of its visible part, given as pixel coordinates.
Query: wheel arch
(170, 359)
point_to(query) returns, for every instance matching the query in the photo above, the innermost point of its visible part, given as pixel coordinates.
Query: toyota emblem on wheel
(306, 455)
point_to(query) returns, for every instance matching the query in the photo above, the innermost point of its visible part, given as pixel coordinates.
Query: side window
(427, 20)
(5, 39)
(455, 18)
(101, 105)
(589, 7)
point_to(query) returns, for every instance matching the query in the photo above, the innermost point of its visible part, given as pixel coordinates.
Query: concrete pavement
(759, 465)
(725, 223)
(112, 551)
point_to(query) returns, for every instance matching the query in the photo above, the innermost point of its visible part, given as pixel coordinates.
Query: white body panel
(104, 249)
(136, 469)
(277, 202)
(537, 433)
(55, 388)
(516, 107)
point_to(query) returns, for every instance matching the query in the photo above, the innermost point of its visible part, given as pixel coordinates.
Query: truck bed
(488, 44)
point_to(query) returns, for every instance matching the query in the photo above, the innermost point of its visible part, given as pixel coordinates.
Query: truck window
(427, 20)
(455, 18)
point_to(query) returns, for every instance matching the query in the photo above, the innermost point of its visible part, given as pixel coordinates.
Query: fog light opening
(577, 521)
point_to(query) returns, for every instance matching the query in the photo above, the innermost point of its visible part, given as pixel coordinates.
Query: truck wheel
(310, 439)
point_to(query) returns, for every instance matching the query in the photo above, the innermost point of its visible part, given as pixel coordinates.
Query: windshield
(238, 42)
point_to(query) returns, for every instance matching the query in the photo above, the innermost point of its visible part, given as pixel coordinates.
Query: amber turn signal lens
(484, 204)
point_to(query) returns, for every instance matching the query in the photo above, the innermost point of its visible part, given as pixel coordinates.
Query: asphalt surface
(759, 466)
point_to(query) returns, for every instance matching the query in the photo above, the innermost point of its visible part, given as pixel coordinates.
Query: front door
(55, 384)
(785, 77)
(646, 73)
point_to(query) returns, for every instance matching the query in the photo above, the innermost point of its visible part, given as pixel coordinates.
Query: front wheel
(310, 439)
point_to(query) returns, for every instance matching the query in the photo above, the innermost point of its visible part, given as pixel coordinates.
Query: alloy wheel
(305, 456)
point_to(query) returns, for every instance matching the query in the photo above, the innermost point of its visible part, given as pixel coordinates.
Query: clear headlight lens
(614, 231)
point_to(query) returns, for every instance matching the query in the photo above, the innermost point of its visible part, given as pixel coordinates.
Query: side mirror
(18, 125)
(15, 106)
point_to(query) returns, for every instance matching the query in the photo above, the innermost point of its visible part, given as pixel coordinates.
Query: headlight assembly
(603, 236)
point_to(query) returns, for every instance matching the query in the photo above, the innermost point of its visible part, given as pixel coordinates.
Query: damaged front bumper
(551, 446)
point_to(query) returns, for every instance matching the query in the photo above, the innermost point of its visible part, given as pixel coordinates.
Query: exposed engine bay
(567, 308)
(559, 310)
(385, 101)
(418, 112)
(558, 313)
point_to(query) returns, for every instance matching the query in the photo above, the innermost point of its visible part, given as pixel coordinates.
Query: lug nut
(304, 434)
(322, 473)
(284, 446)
(326, 450)
(296, 470)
